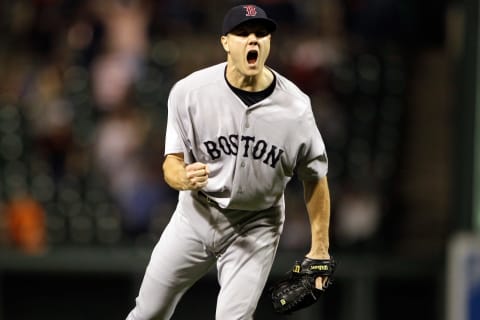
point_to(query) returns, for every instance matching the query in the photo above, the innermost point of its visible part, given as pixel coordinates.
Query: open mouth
(252, 56)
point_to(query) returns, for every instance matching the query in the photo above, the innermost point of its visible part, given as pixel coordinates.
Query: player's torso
(251, 151)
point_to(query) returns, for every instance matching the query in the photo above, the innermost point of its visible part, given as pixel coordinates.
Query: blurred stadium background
(82, 118)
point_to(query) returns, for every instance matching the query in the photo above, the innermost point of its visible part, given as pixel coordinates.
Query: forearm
(317, 199)
(174, 172)
(181, 176)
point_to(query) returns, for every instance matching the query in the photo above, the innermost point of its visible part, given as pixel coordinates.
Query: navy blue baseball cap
(243, 13)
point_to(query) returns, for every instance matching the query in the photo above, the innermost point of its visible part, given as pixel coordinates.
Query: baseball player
(236, 134)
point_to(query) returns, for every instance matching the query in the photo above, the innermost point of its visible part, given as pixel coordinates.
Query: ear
(224, 41)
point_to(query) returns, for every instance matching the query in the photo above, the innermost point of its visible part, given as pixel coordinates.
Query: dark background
(82, 120)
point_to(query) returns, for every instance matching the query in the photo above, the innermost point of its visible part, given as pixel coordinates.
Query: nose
(252, 38)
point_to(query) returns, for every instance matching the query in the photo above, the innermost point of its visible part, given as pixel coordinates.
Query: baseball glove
(297, 290)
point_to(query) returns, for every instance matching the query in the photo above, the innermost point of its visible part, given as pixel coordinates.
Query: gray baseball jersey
(252, 152)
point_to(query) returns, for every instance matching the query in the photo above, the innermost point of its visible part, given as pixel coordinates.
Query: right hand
(196, 175)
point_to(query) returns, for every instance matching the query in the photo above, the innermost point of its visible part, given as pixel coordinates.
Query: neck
(253, 83)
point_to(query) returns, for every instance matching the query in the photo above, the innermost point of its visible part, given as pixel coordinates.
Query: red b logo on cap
(250, 11)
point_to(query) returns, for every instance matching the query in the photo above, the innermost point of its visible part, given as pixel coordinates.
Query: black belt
(209, 200)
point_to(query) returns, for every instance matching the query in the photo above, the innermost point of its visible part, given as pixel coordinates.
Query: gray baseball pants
(200, 235)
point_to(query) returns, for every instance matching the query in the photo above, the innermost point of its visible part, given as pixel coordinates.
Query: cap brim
(268, 23)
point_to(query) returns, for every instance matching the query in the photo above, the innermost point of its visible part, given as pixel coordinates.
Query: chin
(252, 70)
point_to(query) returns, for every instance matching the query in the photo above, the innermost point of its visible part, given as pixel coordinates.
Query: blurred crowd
(83, 112)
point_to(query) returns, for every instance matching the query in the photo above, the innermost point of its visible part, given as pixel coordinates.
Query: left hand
(320, 281)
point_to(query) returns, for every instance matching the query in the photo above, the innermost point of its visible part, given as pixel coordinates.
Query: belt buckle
(209, 201)
(207, 198)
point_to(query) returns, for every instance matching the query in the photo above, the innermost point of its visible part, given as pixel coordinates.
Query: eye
(245, 33)
(242, 33)
(261, 33)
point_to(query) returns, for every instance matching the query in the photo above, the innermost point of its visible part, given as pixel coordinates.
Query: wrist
(318, 254)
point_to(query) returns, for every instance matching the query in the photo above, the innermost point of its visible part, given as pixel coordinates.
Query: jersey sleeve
(312, 162)
(173, 140)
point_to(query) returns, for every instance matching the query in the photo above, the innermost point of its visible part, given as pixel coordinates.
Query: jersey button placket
(246, 126)
(242, 165)
(246, 122)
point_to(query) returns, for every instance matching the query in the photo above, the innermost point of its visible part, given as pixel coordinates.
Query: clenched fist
(196, 175)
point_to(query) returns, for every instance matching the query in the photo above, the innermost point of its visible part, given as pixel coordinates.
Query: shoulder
(290, 94)
(289, 88)
(204, 77)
